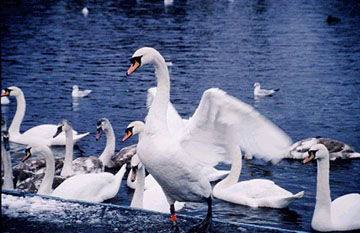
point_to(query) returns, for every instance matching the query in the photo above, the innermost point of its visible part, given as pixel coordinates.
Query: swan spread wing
(218, 114)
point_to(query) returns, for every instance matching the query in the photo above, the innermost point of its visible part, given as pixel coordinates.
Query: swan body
(253, 193)
(76, 92)
(38, 134)
(337, 149)
(95, 187)
(6, 159)
(258, 92)
(148, 193)
(341, 214)
(137, 127)
(219, 121)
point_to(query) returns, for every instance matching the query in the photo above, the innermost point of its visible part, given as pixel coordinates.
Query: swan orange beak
(133, 67)
(310, 157)
(127, 136)
(27, 154)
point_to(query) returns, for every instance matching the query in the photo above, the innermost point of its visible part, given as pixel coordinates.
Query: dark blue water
(47, 48)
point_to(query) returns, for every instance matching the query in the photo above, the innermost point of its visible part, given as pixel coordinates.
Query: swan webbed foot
(204, 225)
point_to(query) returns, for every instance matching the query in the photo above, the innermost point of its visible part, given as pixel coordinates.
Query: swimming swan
(164, 155)
(337, 149)
(40, 133)
(253, 193)
(341, 214)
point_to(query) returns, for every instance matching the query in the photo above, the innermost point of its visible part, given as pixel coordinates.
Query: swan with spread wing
(219, 122)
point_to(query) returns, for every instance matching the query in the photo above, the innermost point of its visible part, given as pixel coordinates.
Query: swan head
(135, 166)
(133, 128)
(35, 148)
(318, 151)
(63, 125)
(143, 56)
(256, 84)
(75, 88)
(102, 125)
(12, 91)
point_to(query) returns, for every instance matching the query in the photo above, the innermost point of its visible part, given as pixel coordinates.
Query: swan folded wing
(221, 120)
(345, 212)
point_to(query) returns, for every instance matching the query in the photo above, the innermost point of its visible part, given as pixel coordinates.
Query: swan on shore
(219, 121)
(38, 134)
(341, 214)
(148, 193)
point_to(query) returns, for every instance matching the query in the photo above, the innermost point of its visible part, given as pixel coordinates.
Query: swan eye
(129, 130)
(133, 60)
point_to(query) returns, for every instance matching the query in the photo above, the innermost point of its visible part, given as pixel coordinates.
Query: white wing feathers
(222, 121)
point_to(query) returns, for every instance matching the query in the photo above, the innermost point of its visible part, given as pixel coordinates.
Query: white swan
(341, 214)
(137, 127)
(258, 92)
(77, 93)
(6, 159)
(86, 187)
(337, 149)
(94, 187)
(219, 120)
(153, 198)
(39, 134)
(253, 193)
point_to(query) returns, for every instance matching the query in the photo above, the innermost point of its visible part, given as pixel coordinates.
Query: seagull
(77, 93)
(258, 92)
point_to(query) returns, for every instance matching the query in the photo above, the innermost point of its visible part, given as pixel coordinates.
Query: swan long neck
(235, 171)
(158, 109)
(67, 169)
(322, 212)
(19, 115)
(46, 184)
(109, 150)
(8, 174)
(137, 200)
(119, 176)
